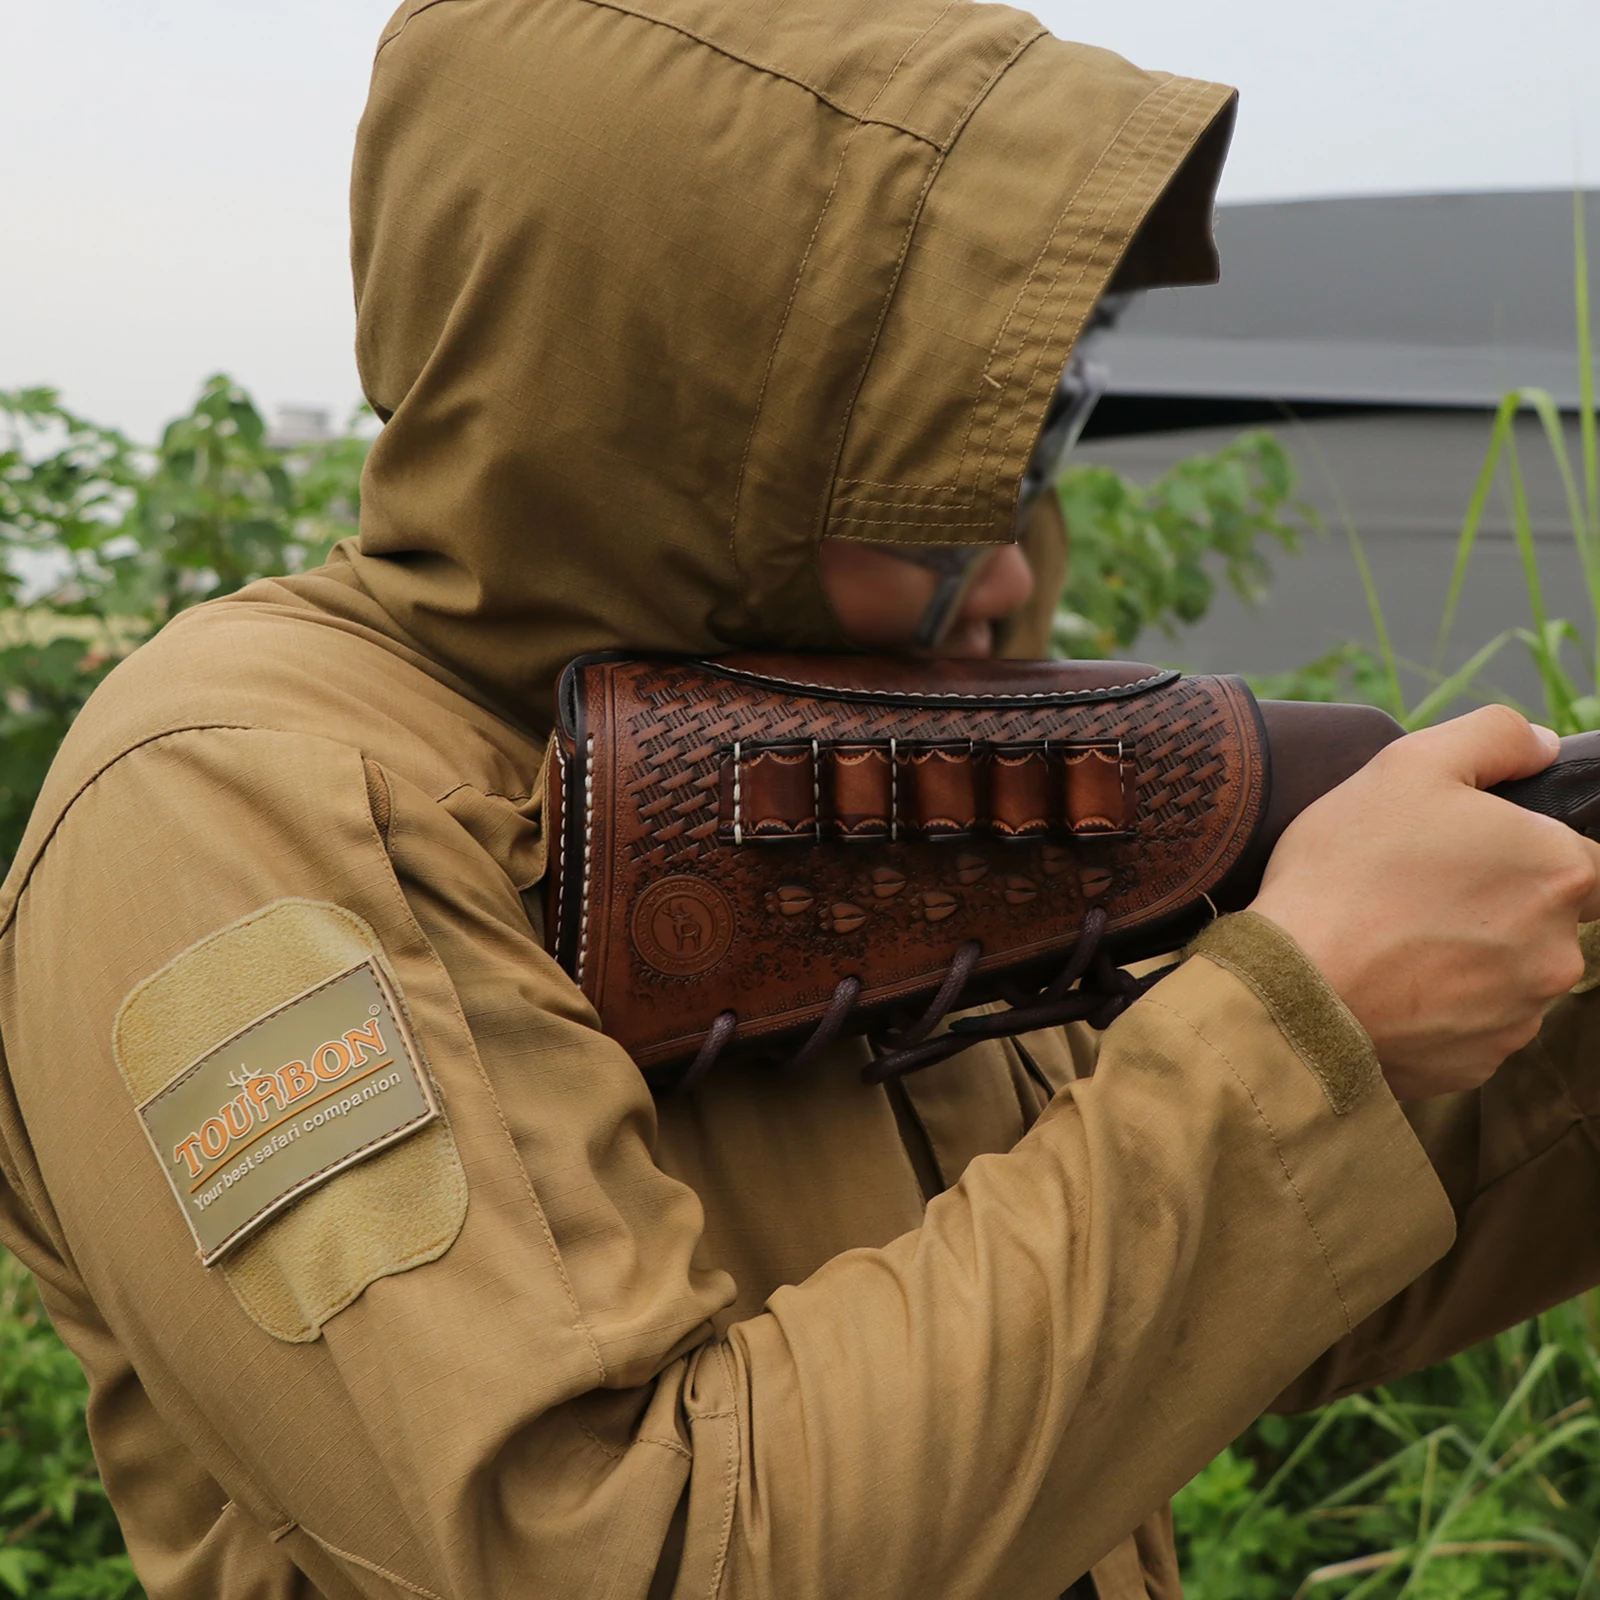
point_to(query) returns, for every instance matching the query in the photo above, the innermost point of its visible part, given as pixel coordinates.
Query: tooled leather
(772, 928)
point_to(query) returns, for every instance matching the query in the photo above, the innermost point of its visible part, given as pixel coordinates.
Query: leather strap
(893, 789)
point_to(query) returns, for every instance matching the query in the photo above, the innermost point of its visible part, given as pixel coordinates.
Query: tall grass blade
(1545, 643)
(1264, 1495)
(1369, 588)
(1437, 699)
(1504, 420)
(1586, 1584)
(1549, 414)
(1587, 426)
(1479, 1463)
(1586, 394)
(1380, 625)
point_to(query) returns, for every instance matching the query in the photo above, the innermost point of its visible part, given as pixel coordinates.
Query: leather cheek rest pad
(743, 834)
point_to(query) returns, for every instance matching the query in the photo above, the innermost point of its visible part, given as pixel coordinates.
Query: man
(680, 313)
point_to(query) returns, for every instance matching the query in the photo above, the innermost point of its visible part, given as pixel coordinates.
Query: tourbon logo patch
(322, 1082)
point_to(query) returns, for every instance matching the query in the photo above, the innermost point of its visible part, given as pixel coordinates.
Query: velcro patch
(316, 1085)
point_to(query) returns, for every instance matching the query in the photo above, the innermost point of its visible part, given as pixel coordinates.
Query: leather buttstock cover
(742, 833)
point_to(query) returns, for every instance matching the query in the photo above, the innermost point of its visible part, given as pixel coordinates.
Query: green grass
(1480, 1477)
(58, 1538)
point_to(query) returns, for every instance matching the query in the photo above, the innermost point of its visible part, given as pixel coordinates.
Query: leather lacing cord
(1089, 988)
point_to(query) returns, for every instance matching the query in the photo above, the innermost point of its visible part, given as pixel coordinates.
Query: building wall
(1404, 479)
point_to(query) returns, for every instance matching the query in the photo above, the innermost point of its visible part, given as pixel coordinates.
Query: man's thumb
(1488, 746)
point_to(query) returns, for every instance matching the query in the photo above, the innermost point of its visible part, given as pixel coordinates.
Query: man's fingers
(1486, 747)
(1589, 911)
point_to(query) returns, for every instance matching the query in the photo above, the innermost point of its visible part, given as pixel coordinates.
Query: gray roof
(1417, 300)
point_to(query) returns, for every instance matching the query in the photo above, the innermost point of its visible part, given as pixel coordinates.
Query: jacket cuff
(1315, 1021)
(1589, 943)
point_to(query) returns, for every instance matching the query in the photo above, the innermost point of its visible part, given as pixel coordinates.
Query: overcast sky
(172, 172)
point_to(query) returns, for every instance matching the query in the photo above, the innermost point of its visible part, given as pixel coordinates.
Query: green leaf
(17, 1567)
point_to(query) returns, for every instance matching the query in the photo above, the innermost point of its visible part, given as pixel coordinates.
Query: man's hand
(1444, 917)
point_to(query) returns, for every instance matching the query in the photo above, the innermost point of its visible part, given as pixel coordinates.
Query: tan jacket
(783, 1337)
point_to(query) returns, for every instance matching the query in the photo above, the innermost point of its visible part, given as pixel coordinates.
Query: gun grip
(1568, 789)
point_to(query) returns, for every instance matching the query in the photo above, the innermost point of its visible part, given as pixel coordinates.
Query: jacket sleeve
(1520, 1160)
(982, 1407)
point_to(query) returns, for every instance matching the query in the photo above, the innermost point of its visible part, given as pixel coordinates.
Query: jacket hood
(656, 296)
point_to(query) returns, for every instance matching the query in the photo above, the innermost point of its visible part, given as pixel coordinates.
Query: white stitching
(1115, 689)
(816, 787)
(561, 875)
(894, 793)
(588, 852)
(738, 829)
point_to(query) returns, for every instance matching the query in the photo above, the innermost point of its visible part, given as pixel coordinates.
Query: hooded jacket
(654, 297)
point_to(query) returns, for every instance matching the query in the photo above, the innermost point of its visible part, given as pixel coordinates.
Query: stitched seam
(488, 794)
(389, 38)
(920, 522)
(979, 95)
(888, 483)
(599, 1443)
(588, 856)
(676, 1446)
(772, 355)
(9, 914)
(560, 845)
(922, 496)
(1150, 144)
(1027, 283)
(1050, 289)
(777, 72)
(361, 1561)
(1307, 1052)
(825, 513)
(1277, 1150)
(918, 694)
(579, 1325)
(730, 1474)
(1033, 273)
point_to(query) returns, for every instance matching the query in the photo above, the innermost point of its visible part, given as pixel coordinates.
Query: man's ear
(1025, 635)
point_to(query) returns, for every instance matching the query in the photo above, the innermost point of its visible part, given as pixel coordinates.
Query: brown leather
(747, 833)
(1314, 747)
(758, 846)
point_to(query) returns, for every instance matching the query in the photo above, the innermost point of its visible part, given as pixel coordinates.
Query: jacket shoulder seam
(861, 118)
(24, 865)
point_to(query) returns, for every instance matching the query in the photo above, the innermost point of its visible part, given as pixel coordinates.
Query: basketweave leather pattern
(713, 857)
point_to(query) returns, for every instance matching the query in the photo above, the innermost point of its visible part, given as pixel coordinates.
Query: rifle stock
(757, 850)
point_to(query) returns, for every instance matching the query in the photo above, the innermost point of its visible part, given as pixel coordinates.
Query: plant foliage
(1480, 1477)
(102, 542)
(1146, 557)
(58, 1538)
